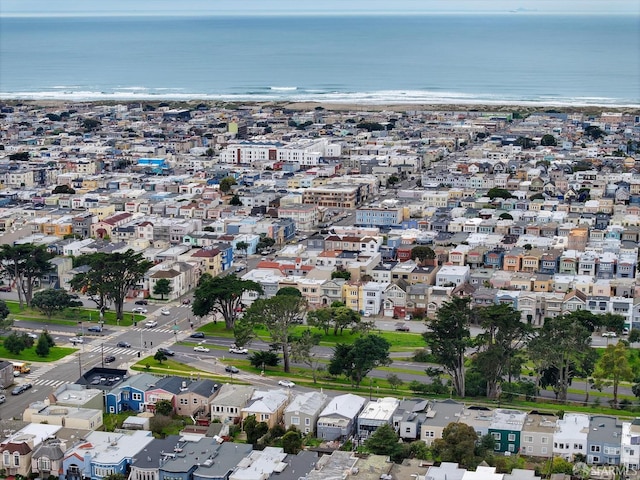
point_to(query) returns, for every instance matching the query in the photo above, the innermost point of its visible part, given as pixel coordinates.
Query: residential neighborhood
(392, 214)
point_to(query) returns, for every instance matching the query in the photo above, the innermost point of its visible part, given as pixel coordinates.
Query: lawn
(70, 316)
(400, 341)
(29, 354)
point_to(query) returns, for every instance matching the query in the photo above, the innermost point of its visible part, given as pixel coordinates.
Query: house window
(195, 401)
(16, 459)
(307, 421)
(136, 396)
(595, 448)
(184, 401)
(6, 459)
(595, 459)
(544, 440)
(512, 437)
(527, 439)
(543, 450)
(496, 435)
(496, 446)
(295, 420)
(529, 449)
(44, 463)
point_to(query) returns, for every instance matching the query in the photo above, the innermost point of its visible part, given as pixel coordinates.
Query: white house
(452, 275)
(570, 436)
(630, 444)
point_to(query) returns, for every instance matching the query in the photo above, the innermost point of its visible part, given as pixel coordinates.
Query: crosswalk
(113, 350)
(49, 383)
(152, 329)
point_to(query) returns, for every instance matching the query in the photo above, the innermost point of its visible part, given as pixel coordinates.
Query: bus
(20, 367)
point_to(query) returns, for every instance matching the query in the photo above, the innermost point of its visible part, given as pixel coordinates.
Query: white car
(151, 324)
(139, 310)
(609, 334)
(234, 349)
(75, 340)
(200, 348)
(165, 311)
(286, 383)
(32, 335)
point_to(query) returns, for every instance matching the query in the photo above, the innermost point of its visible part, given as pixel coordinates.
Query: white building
(630, 444)
(570, 436)
(452, 275)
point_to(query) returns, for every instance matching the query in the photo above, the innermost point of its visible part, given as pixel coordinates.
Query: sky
(244, 7)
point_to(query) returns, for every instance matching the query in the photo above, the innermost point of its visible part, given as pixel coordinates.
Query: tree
(50, 301)
(243, 247)
(355, 361)
(345, 274)
(505, 216)
(25, 264)
(524, 142)
(422, 253)
(265, 242)
(254, 429)
(243, 333)
(164, 407)
(90, 124)
(504, 335)
(548, 141)
(384, 441)
(159, 357)
(559, 345)
(613, 367)
(634, 335)
(302, 351)
(322, 319)
(110, 277)
(19, 156)
(63, 189)
(115, 476)
(458, 444)
(496, 192)
(279, 314)
(263, 358)
(14, 343)
(292, 442)
(392, 180)
(394, 381)
(449, 337)
(221, 295)
(5, 321)
(289, 291)
(235, 201)
(42, 348)
(343, 317)
(162, 288)
(594, 132)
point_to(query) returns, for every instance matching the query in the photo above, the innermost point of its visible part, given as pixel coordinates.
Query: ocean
(431, 59)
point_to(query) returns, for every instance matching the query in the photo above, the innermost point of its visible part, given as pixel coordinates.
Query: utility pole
(102, 353)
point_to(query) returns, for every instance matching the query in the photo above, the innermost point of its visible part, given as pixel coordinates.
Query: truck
(20, 367)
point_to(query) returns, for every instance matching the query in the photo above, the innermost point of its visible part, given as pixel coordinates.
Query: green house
(506, 429)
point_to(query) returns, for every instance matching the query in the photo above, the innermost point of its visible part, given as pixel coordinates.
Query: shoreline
(341, 107)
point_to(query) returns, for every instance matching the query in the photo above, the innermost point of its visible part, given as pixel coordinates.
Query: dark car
(141, 302)
(109, 359)
(123, 345)
(21, 388)
(197, 335)
(231, 369)
(5, 288)
(167, 352)
(95, 328)
(74, 296)
(186, 301)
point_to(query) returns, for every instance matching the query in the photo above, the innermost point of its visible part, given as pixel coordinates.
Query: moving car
(286, 383)
(231, 369)
(3, 399)
(141, 302)
(123, 345)
(234, 349)
(401, 327)
(139, 310)
(75, 340)
(32, 335)
(186, 301)
(200, 348)
(5, 288)
(167, 352)
(21, 388)
(109, 359)
(609, 334)
(151, 324)
(165, 311)
(95, 328)
(197, 335)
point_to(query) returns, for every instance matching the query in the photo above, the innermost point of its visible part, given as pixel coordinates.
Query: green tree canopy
(458, 444)
(548, 141)
(496, 192)
(264, 358)
(42, 347)
(292, 442)
(279, 314)
(14, 343)
(50, 301)
(302, 351)
(345, 274)
(422, 253)
(159, 357)
(292, 291)
(235, 201)
(243, 332)
(25, 264)
(384, 441)
(613, 367)
(162, 287)
(221, 295)
(63, 189)
(355, 361)
(226, 183)
(449, 337)
(5, 321)
(110, 277)
(164, 407)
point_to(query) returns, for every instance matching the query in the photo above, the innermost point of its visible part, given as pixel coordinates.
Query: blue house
(129, 395)
(103, 454)
(157, 165)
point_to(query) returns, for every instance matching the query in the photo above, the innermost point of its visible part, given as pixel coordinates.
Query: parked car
(75, 340)
(32, 335)
(95, 328)
(3, 399)
(139, 310)
(286, 383)
(165, 311)
(609, 334)
(151, 324)
(234, 349)
(141, 302)
(5, 288)
(231, 369)
(123, 345)
(21, 388)
(200, 348)
(109, 359)
(167, 352)
(197, 335)
(625, 331)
